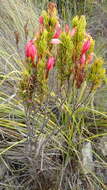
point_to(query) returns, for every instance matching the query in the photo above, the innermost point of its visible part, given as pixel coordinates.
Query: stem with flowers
(68, 51)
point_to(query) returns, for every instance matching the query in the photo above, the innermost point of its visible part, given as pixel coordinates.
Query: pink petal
(33, 52)
(41, 19)
(57, 26)
(57, 33)
(72, 33)
(55, 41)
(83, 59)
(50, 63)
(30, 50)
(27, 47)
(86, 46)
(67, 29)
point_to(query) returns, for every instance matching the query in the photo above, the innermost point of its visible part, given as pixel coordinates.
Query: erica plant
(69, 51)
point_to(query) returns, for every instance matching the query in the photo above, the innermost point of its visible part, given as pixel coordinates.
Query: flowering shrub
(46, 133)
(69, 50)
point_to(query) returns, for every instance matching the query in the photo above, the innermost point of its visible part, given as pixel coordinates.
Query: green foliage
(65, 52)
(97, 73)
(80, 24)
(42, 43)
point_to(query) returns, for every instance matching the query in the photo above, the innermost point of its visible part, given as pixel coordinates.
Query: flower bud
(67, 29)
(86, 46)
(30, 50)
(57, 33)
(83, 59)
(72, 33)
(52, 9)
(41, 20)
(50, 63)
(57, 25)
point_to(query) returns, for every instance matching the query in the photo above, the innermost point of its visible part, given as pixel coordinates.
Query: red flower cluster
(30, 50)
(54, 39)
(85, 48)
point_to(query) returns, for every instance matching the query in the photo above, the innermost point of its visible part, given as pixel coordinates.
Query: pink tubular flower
(57, 25)
(57, 33)
(41, 20)
(72, 33)
(50, 63)
(86, 46)
(30, 50)
(83, 59)
(55, 41)
(67, 29)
